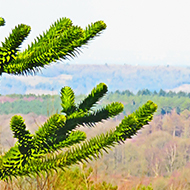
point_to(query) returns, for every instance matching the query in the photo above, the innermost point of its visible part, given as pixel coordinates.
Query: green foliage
(61, 41)
(57, 143)
(93, 97)
(143, 187)
(24, 137)
(2, 22)
(29, 154)
(68, 100)
(16, 38)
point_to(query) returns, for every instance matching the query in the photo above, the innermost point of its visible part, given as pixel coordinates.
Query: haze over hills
(82, 78)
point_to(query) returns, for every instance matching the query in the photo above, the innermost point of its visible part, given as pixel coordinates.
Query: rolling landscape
(158, 157)
(94, 95)
(116, 77)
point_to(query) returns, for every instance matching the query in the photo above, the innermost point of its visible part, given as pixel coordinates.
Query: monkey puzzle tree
(56, 144)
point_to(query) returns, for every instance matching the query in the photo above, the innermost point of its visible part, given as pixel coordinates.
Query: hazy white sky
(153, 32)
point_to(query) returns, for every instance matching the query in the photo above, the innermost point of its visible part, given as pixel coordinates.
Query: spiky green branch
(61, 41)
(86, 150)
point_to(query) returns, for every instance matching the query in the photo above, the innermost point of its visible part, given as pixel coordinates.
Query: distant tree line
(49, 104)
(143, 92)
(146, 92)
(28, 96)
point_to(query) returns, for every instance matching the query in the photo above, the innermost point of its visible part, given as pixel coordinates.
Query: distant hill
(82, 78)
(183, 88)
